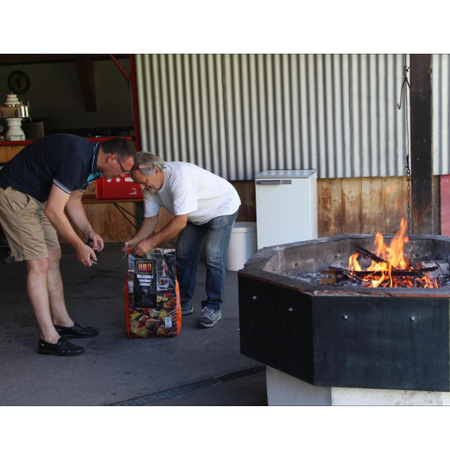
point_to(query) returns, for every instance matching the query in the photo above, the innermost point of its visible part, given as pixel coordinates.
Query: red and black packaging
(151, 295)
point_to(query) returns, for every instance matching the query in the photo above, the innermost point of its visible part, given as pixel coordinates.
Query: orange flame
(393, 258)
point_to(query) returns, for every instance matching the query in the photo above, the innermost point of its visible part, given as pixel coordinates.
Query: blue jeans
(216, 236)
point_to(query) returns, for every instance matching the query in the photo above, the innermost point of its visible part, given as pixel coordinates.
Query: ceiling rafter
(83, 65)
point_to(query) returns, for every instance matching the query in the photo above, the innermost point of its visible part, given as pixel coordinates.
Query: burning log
(364, 273)
(360, 275)
(390, 267)
(394, 268)
(337, 275)
(370, 255)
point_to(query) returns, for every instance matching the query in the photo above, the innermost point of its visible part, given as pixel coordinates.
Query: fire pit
(347, 335)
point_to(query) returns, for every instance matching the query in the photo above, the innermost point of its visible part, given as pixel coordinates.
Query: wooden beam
(11, 60)
(85, 71)
(30, 59)
(422, 180)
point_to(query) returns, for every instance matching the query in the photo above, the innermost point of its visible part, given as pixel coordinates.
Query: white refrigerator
(286, 206)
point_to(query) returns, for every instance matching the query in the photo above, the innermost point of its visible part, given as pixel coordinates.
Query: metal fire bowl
(383, 338)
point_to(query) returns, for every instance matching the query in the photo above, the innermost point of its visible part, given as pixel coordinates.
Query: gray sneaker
(209, 318)
(186, 308)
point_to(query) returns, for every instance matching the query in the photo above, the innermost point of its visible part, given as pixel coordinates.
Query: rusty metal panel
(238, 115)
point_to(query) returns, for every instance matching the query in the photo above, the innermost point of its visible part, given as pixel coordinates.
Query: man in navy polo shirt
(47, 177)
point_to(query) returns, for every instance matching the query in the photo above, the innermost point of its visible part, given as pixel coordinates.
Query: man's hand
(95, 241)
(143, 247)
(85, 255)
(129, 245)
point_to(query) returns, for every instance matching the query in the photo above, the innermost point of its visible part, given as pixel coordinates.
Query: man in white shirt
(205, 207)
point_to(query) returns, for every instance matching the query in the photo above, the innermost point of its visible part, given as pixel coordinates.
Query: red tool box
(118, 187)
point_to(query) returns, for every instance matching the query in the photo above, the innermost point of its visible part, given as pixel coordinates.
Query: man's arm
(147, 227)
(168, 232)
(77, 214)
(54, 210)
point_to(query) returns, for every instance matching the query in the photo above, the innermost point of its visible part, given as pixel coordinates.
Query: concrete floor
(198, 367)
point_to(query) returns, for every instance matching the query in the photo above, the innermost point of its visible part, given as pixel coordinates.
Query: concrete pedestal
(285, 390)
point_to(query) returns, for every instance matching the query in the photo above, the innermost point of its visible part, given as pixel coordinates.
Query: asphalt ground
(212, 394)
(115, 369)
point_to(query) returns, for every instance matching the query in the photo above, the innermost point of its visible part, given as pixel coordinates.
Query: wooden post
(85, 71)
(422, 189)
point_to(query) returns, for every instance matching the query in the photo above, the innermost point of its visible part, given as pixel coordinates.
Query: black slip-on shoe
(76, 331)
(62, 348)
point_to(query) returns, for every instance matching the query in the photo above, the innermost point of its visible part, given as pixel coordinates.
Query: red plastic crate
(118, 187)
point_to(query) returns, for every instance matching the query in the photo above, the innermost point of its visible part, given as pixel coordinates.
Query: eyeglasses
(126, 172)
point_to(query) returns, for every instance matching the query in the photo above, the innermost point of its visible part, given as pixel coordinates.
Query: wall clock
(18, 82)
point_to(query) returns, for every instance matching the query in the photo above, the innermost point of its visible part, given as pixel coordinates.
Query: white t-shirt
(189, 189)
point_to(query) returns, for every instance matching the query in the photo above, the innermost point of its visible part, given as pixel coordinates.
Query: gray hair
(146, 162)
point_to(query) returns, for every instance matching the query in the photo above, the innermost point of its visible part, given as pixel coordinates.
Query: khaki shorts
(28, 231)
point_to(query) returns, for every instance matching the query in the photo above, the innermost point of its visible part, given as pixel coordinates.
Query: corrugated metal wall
(441, 114)
(237, 115)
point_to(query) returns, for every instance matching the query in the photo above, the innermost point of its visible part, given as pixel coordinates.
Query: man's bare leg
(39, 297)
(56, 291)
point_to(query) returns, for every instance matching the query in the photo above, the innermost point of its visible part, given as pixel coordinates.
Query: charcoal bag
(152, 296)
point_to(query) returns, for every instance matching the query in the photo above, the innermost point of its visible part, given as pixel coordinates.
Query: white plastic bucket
(242, 245)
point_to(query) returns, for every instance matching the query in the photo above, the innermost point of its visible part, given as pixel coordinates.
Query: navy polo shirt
(66, 160)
